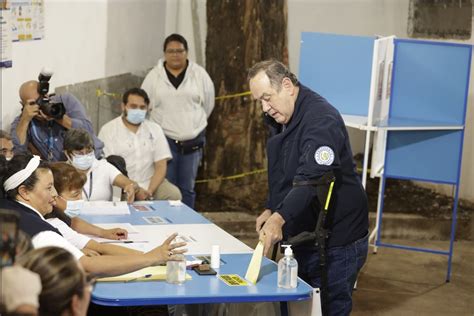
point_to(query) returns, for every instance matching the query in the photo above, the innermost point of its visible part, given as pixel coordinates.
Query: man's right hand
(262, 219)
(143, 195)
(30, 110)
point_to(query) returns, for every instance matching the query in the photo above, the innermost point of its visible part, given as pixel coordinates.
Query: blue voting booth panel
(430, 81)
(338, 67)
(424, 155)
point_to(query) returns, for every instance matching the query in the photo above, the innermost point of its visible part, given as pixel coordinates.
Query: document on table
(105, 208)
(255, 263)
(127, 226)
(145, 274)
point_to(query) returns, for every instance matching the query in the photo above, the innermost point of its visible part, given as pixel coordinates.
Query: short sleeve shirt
(100, 179)
(140, 150)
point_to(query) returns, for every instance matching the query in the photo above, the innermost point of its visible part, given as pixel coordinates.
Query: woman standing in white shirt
(181, 98)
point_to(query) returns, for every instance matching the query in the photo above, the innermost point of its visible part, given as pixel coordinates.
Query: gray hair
(77, 139)
(275, 71)
(5, 135)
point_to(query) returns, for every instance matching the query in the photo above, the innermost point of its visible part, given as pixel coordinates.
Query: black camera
(51, 109)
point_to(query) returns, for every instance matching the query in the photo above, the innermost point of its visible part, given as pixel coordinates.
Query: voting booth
(409, 95)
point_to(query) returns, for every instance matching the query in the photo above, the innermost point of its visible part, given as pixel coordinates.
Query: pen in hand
(146, 276)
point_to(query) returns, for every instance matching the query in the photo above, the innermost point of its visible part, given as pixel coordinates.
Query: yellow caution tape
(237, 176)
(100, 93)
(229, 96)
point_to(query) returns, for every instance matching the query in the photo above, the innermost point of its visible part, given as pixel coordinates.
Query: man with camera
(44, 119)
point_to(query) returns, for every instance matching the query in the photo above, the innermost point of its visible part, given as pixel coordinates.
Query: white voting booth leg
(310, 307)
(375, 233)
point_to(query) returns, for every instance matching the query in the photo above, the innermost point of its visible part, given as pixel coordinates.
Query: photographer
(43, 133)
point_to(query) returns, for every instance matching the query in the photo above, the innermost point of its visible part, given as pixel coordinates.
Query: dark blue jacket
(30, 222)
(315, 141)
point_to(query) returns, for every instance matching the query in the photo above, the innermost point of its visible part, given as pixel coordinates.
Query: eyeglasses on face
(171, 51)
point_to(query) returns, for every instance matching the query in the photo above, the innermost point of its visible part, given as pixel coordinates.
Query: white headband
(19, 177)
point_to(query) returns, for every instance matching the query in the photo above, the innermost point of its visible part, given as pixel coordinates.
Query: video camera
(54, 110)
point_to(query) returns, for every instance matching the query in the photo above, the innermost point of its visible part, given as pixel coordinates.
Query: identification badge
(324, 156)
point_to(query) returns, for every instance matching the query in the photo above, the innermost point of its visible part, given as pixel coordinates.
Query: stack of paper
(105, 208)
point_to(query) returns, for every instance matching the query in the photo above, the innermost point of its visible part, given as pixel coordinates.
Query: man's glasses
(175, 51)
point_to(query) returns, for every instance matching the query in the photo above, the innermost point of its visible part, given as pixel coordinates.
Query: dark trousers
(344, 263)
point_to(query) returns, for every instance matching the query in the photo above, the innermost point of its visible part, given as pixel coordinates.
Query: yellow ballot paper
(145, 274)
(254, 267)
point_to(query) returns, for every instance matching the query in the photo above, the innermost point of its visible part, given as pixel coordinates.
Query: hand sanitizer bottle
(287, 270)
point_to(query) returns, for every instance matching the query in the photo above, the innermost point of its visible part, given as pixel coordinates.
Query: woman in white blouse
(29, 187)
(101, 175)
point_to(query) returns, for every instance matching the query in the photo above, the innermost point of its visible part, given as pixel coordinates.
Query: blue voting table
(173, 214)
(201, 289)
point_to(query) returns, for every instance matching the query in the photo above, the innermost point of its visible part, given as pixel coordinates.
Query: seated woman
(28, 184)
(65, 289)
(68, 182)
(101, 175)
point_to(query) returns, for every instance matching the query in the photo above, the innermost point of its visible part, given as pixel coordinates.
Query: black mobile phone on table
(8, 237)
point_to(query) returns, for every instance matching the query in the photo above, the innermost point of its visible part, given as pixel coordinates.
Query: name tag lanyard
(88, 196)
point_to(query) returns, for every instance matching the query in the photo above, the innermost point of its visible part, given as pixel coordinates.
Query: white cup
(215, 257)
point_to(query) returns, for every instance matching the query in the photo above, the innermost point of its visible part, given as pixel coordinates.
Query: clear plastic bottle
(288, 270)
(176, 270)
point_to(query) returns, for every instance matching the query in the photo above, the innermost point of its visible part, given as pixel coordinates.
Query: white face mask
(73, 208)
(83, 162)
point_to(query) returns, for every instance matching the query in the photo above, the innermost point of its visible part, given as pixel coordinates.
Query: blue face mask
(136, 116)
(73, 208)
(83, 162)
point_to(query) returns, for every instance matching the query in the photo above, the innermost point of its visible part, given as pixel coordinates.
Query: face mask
(83, 162)
(73, 208)
(136, 116)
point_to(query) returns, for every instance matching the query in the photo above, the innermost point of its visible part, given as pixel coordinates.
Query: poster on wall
(27, 20)
(5, 34)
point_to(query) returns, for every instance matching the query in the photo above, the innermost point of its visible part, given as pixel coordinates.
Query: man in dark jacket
(309, 140)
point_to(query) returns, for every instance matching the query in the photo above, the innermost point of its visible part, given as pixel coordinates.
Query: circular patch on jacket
(324, 156)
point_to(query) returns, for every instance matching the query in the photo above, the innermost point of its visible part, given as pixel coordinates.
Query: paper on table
(175, 202)
(157, 273)
(127, 226)
(254, 267)
(105, 208)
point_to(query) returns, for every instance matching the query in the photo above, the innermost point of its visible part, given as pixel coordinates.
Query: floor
(396, 282)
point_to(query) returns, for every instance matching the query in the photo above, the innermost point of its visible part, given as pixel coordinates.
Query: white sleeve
(112, 172)
(208, 92)
(148, 86)
(77, 240)
(51, 239)
(104, 135)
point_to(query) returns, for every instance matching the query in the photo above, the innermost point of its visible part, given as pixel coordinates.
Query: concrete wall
(92, 40)
(372, 17)
(86, 40)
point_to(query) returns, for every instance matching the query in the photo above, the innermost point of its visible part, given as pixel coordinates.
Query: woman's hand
(114, 233)
(130, 191)
(168, 251)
